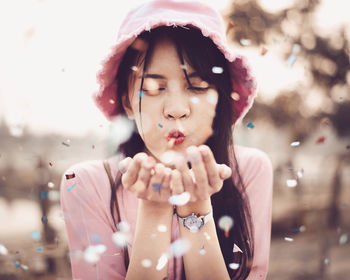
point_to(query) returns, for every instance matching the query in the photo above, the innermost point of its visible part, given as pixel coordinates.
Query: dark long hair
(202, 54)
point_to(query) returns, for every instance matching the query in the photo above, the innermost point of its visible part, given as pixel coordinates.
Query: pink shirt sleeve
(85, 205)
(257, 175)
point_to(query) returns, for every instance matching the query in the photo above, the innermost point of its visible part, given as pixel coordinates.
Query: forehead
(165, 58)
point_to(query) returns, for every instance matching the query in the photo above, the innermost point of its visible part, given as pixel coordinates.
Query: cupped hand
(205, 177)
(145, 178)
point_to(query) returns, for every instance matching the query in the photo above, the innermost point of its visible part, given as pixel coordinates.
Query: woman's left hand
(205, 177)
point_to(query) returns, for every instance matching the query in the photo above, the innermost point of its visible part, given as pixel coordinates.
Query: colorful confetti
(157, 187)
(16, 263)
(71, 188)
(43, 194)
(141, 93)
(263, 51)
(70, 176)
(39, 249)
(320, 140)
(35, 235)
(250, 125)
(160, 125)
(44, 219)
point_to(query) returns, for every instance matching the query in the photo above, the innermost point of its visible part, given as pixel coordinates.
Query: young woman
(178, 200)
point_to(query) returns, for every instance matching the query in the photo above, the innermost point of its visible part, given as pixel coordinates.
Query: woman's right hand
(146, 179)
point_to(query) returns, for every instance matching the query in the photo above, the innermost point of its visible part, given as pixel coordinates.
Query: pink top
(85, 201)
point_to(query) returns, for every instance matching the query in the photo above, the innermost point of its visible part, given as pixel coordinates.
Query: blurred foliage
(326, 61)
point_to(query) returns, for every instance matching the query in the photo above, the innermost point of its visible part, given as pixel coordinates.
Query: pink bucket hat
(174, 13)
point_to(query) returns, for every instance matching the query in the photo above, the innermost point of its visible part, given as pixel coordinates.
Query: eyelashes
(154, 92)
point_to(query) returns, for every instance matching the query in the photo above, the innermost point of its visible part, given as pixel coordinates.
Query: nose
(176, 106)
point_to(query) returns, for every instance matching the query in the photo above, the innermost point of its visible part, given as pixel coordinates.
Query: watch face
(193, 223)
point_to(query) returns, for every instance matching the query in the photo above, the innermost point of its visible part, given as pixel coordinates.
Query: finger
(225, 172)
(198, 167)
(129, 178)
(156, 180)
(210, 166)
(124, 164)
(147, 163)
(176, 182)
(187, 181)
(166, 191)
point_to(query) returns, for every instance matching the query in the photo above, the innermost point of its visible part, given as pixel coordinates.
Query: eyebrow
(157, 76)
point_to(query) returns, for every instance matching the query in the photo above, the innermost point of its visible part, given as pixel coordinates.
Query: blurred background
(49, 54)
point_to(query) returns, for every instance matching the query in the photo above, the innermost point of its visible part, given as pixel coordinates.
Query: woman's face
(174, 115)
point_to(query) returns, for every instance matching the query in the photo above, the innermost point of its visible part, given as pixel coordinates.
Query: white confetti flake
(16, 131)
(162, 228)
(234, 266)
(225, 223)
(169, 157)
(236, 249)
(92, 253)
(291, 183)
(245, 42)
(302, 228)
(289, 239)
(326, 261)
(295, 144)
(195, 100)
(120, 239)
(343, 239)
(235, 96)
(134, 68)
(3, 250)
(123, 227)
(162, 261)
(124, 127)
(179, 247)
(207, 236)
(146, 263)
(180, 199)
(300, 174)
(217, 70)
(202, 251)
(54, 195)
(50, 185)
(212, 97)
(24, 267)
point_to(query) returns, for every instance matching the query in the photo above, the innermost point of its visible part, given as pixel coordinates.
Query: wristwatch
(194, 222)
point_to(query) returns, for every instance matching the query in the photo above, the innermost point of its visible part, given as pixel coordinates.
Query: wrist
(156, 207)
(201, 207)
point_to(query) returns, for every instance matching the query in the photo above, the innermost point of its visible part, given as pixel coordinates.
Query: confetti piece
(195, 100)
(234, 266)
(202, 251)
(293, 56)
(50, 163)
(250, 125)
(235, 96)
(134, 68)
(16, 263)
(65, 144)
(162, 228)
(44, 219)
(326, 261)
(120, 239)
(217, 70)
(3, 250)
(93, 253)
(320, 140)
(230, 27)
(180, 199)
(162, 261)
(343, 239)
(226, 223)
(43, 194)
(39, 249)
(289, 239)
(236, 249)
(70, 176)
(263, 51)
(183, 67)
(295, 144)
(123, 227)
(111, 101)
(141, 93)
(71, 188)
(300, 173)
(160, 125)
(291, 183)
(179, 247)
(35, 235)
(157, 187)
(245, 42)
(302, 228)
(50, 185)
(96, 238)
(24, 267)
(146, 263)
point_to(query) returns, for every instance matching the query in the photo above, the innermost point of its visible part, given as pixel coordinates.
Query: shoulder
(253, 164)
(88, 178)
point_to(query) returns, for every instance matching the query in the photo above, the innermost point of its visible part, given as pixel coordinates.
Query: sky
(50, 52)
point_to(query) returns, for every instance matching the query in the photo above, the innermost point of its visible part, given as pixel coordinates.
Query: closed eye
(198, 88)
